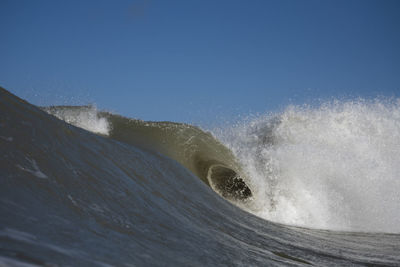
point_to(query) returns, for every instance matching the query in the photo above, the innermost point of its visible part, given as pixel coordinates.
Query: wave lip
(85, 117)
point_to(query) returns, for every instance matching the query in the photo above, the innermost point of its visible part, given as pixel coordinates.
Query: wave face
(141, 193)
(334, 167)
(195, 149)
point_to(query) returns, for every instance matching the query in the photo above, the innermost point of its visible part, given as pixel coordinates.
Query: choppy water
(309, 186)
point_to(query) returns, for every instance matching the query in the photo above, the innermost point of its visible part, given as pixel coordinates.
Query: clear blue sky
(195, 61)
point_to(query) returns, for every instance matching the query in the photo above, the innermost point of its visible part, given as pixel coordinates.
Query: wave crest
(85, 117)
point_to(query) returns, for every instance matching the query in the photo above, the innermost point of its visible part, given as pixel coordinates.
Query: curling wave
(139, 193)
(330, 167)
(192, 147)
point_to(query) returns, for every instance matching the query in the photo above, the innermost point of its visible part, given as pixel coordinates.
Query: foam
(35, 169)
(334, 167)
(85, 117)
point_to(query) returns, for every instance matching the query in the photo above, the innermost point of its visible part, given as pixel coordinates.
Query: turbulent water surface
(308, 186)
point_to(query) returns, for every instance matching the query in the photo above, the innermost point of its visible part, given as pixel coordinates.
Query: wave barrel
(228, 183)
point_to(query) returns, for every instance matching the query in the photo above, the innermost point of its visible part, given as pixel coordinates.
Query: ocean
(306, 186)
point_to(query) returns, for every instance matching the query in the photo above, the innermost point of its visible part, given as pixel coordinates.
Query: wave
(197, 150)
(143, 193)
(331, 167)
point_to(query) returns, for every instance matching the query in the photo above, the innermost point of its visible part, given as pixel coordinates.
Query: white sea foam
(34, 170)
(85, 117)
(332, 167)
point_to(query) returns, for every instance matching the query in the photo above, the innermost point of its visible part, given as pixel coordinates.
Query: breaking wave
(131, 192)
(334, 167)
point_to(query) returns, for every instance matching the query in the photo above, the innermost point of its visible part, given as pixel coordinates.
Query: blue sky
(198, 61)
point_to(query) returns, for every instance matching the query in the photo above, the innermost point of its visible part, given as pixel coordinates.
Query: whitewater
(311, 185)
(335, 166)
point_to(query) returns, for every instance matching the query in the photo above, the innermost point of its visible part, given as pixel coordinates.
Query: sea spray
(85, 117)
(336, 166)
